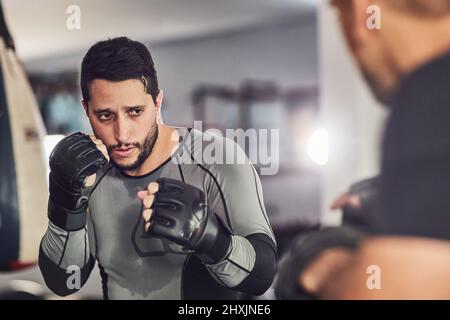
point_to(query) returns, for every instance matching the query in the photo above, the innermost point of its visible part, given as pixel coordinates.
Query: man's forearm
(64, 256)
(250, 265)
(394, 268)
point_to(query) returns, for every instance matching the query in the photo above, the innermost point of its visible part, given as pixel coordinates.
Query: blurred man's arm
(407, 268)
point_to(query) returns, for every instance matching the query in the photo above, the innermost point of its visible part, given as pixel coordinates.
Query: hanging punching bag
(23, 184)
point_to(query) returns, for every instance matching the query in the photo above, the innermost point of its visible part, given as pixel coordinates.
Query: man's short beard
(144, 150)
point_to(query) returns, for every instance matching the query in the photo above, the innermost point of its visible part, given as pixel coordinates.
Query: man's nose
(121, 130)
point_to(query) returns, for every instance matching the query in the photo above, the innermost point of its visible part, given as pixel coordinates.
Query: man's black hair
(119, 59)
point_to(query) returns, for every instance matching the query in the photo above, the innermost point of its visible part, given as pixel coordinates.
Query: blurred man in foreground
(407, 253)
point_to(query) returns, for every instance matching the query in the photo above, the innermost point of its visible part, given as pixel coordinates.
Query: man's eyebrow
(135, 106)
(98, 111)
(109, 110)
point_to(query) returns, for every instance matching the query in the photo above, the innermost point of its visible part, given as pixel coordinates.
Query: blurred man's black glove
(304, 250)
(367, 192)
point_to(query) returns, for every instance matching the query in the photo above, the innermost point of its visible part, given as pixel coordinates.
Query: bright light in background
(50, 142)
(318, 147)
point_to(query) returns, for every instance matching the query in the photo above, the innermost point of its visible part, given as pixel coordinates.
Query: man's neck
(165, 145)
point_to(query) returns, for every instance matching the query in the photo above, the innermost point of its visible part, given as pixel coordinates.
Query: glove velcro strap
(66, 219)
(61, 196)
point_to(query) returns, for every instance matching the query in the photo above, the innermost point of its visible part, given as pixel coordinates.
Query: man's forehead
(108, 85)
(118, 93)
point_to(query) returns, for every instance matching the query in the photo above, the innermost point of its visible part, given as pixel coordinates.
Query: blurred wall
(285, 53)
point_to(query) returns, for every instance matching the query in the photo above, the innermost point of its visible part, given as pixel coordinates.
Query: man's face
(366, 45)
(124, 116)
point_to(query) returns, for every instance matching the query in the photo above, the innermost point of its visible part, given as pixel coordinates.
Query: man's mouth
(123, 152)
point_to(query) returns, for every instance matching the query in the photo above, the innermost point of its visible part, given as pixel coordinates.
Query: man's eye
(135, 112)
(105, 116)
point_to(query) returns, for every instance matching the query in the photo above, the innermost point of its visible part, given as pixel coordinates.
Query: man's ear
(159, 99)
(362, 18)
(85, 107)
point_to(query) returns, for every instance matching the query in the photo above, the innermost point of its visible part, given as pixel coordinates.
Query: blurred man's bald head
(422, 8)
(412, 33)
(416, 7)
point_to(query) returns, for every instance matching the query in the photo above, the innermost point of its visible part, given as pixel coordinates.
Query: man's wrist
(66, 219)
(220, 247)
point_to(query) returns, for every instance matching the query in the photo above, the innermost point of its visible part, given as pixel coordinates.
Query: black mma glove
(181, 214)
(72, 160)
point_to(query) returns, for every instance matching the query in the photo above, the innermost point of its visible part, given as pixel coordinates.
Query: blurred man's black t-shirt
(415, 184)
